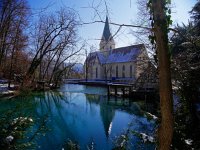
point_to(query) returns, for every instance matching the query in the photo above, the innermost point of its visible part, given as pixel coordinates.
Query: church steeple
(107, 41)
(106, 30)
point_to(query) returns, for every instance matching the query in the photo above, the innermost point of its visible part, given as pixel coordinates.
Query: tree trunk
(28, 79)
(165, 132)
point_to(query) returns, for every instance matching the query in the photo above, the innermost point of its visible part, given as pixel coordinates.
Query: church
(123, 64)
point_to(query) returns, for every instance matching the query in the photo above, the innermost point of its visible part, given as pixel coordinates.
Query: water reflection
(83, 115)
(107, 112)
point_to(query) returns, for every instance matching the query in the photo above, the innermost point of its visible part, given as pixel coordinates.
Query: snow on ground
(147, 138)
(4, 90)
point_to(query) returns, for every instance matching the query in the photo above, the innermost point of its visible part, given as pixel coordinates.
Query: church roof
(106, 30)
(118, 55)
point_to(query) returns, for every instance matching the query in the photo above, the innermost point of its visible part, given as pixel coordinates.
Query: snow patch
(152, 116)
(9, 138)
(21, 119)
(147, 138)
(188, 141)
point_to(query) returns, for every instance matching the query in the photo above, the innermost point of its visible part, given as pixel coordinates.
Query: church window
(111, 72)
(123, 71)
(131, 71)
(116, 71)
(96, 72)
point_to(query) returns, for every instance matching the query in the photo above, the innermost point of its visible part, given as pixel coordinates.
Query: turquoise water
(83, 115)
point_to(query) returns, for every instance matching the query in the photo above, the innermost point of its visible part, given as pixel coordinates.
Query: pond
(83, 116)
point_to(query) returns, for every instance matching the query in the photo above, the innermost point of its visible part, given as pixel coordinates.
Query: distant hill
(78, 68)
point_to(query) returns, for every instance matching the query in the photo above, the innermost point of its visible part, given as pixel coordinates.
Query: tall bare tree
(56, 34)
(13, 22)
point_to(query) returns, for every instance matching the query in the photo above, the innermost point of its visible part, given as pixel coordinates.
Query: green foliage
(195, 15)
(165, 23)
(186, 132)
(123, 141)
(185, 61)
(14, 129)
(185, 48)
(71, 145)
(19, 127)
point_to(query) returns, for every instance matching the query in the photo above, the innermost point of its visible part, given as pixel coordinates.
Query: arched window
(116, 71)
(111, 72)
(96, 72)
(131, 71)
(123, 71)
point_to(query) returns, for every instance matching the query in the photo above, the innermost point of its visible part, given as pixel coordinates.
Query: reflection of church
(107, 112)
(107, 115)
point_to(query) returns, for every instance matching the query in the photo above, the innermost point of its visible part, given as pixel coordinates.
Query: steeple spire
(107, 41)
(106, 30)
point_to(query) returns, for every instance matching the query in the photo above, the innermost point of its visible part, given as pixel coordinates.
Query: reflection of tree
(51, 103)
(41, 128)
(63, 116)
(91, 98)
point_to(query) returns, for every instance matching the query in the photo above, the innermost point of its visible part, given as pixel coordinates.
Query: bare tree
(13, 21)
(55, 34)
(59, 68)
(18, 38)
(143, 35)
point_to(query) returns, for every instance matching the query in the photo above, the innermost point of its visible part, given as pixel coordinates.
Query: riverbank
(6, 91)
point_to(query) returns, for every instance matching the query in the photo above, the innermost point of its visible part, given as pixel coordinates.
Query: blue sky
(120, 11)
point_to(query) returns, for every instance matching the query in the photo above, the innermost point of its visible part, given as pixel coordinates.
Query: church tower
(107, 41)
